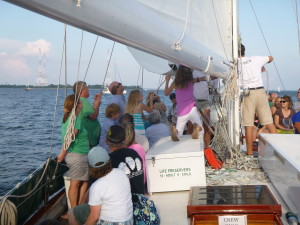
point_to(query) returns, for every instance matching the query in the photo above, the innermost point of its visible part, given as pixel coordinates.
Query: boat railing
(32, 193)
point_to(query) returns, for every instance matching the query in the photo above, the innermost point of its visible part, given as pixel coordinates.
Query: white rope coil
(70, 133)
(221, 142)
(8, 212)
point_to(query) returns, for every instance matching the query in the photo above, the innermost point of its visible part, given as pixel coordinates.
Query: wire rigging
(297, 21)
(266, 44)
(108, 63)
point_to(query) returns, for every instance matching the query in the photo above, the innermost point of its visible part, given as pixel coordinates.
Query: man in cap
(89, 114)
(109, 196)
(125, 159)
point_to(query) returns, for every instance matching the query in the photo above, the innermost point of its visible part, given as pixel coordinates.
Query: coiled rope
(8, 212)
(221, 142)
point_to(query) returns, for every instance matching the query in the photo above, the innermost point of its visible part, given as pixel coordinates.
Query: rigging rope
(116, 69)
(177, 43)
(108, 63)
(266, 44)
(221, 142)
(70, 134)
(297, 21)
(66, 83)
(79, 60)
(56, 98)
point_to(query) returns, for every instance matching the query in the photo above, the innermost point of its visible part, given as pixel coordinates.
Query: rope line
(79, 60)
(56, 98)
(177, 43)
(297, 21)
(70, 133)
(266, 44)
(108, 63)
(65, 39)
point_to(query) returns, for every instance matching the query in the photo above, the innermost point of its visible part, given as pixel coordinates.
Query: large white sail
(187, 32)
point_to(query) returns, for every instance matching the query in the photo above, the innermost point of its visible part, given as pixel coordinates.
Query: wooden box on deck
(260, 207)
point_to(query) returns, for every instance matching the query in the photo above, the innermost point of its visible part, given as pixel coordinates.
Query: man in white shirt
(109, 196)
(201, 93)
(255, 99)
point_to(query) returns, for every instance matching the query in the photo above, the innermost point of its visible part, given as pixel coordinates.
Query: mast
(234, 111)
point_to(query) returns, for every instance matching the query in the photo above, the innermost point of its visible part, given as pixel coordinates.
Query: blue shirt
(107, 123)
(120, 100)
(296, 118)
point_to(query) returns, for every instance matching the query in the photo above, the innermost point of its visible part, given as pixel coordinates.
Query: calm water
(26, 126)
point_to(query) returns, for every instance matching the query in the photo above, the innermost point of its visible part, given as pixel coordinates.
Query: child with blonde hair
(112, 113)
(135, 107)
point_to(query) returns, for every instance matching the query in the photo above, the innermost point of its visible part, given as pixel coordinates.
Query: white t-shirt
(201, 88)
(250, 71)
(113, 193)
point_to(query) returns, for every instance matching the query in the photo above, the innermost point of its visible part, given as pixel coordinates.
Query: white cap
(98, 157)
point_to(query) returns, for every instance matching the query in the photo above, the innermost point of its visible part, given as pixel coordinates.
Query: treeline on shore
(91, 86)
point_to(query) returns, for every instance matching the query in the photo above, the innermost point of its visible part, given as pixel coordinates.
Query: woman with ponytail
(76, 153)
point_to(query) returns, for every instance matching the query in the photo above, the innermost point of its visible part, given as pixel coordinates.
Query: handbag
(144, 211)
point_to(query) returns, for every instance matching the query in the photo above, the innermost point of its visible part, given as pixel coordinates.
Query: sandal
(174, 133)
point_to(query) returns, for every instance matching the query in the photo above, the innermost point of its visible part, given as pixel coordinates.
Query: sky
(23, 33)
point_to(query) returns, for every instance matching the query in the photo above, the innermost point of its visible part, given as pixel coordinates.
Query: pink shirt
(185, 99)
(141, 151)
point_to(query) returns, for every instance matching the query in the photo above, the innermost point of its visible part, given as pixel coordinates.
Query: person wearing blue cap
(109, 196)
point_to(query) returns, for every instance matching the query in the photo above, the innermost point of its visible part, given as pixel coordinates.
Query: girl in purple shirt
(186, 109)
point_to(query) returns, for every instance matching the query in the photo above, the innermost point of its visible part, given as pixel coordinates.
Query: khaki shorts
(202, 105)
(78, 166)
(256, 102)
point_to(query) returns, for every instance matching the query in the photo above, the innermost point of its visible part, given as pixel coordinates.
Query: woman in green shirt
(76, 154)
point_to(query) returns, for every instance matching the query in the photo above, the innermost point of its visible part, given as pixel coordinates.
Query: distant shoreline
(91, 87)
(97, 87)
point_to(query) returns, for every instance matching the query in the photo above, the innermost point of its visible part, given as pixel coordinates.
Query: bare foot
(196, 130)
(174, 133)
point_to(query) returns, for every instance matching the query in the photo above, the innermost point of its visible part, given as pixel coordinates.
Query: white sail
(156, 27)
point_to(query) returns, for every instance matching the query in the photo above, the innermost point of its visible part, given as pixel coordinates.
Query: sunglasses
(283, 101)
(119, 84)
